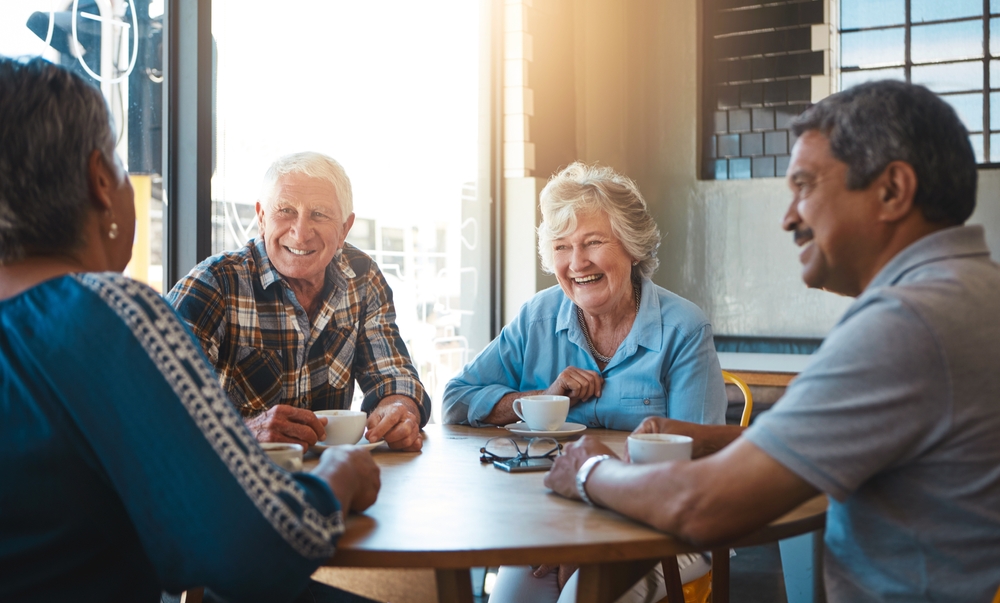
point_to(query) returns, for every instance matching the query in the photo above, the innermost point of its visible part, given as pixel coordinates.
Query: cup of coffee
(658, 447)
(285, 455)
(542, 413)
(343, 426)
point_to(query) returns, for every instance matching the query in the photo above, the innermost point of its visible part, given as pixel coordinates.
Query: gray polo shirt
(897, 418)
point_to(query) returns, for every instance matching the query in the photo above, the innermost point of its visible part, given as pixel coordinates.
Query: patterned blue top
(124, 470)
(666, 366)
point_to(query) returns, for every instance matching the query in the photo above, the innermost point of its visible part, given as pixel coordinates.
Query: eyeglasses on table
(506, 448)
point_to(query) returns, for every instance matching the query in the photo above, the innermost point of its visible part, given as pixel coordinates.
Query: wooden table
(445, 510)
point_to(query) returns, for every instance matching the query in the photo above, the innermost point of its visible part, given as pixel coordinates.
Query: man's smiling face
(832, 224)
(302, 226)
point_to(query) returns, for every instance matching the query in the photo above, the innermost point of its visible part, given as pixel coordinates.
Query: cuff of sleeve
(483, 402)
(414, 392)
(318, 493)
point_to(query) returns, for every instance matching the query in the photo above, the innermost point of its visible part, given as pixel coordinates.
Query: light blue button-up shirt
(667, 365)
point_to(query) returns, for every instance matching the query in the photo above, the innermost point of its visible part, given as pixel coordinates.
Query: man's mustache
(802, 235)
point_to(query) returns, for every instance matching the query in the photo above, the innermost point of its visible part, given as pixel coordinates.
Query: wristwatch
(584, 472)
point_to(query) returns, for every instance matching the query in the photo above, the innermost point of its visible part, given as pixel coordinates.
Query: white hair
(584, 189)
(314, 165)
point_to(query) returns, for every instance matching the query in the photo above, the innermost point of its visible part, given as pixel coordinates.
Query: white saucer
(362, 443)
(521, 428)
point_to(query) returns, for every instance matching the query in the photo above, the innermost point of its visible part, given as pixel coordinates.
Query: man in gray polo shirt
(897, 416)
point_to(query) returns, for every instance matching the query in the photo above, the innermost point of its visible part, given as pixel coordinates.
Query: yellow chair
(996, 599)
(698, 591)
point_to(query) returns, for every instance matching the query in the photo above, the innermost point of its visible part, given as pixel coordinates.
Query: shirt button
(646, 401)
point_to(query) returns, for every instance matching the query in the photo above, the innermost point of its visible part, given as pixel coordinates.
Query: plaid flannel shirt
(266, 351)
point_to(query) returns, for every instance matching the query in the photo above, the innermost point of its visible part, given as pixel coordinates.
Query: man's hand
(708, 439)
(561, 478)
(284, 423)
(352, 474)
(578, 384)
(396, 419)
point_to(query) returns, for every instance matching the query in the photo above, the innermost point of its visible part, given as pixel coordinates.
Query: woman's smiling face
(592, 266)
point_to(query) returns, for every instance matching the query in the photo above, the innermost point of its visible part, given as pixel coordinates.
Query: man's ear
(348, 223)
(897, 189)
(260, 218)
(102, 179)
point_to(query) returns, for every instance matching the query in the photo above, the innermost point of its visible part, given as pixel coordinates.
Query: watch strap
(584, 473)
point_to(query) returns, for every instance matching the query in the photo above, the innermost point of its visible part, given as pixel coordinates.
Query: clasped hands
(396, 419)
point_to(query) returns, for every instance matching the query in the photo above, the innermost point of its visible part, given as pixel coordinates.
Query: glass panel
(949, 77)
(994, 74)
(871, 13)
(969, 108)
(994, 114)
(872, 48)
(852, 78)
(994, 37)
(946, 41)
(935, 10)
(393, 95)
(977, 146)
(994, 148)
(994, 7)
(130, 75)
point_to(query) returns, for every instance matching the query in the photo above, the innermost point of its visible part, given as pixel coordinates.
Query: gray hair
(582, 189)
(51, 121)
(876, 123)
(314, 165)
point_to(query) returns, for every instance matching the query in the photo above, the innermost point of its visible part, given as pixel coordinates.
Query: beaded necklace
(586, 331)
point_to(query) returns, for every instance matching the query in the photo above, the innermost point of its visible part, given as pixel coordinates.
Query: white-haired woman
(619, 346)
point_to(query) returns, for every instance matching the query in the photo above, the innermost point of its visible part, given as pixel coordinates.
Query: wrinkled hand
(284, 423)
(578, 384)
(352, 474)
(563, 575)
(396, 419)
(561, 478)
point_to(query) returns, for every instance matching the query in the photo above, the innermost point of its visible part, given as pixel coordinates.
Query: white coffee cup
(658, 447)
(286, 455)
(542, 413)
(343, 426)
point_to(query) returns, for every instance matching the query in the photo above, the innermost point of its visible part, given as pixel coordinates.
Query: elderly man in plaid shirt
(293, 318)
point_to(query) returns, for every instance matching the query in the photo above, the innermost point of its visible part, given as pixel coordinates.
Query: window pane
(393, 95)
(852, 78)
(935, 10)
(977, 146)
(872, 48)
(946, 41)
(994, 114)
(871, 13)
(131, 79)
(969, 108)
(995, 74)
(950, 77)
(995, 37)
(994, 148)
(994, 7)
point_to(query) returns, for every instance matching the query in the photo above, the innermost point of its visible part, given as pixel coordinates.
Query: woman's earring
(113, 231)
(635, 263)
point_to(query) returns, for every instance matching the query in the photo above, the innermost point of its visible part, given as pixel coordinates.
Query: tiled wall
(759, 70)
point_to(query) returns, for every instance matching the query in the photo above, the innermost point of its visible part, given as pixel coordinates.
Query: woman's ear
(102, 180)
(898, 189)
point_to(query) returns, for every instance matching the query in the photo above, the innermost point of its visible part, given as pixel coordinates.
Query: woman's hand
(578, 384)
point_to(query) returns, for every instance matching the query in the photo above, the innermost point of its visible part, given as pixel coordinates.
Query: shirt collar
(647, 331)
(952, 242)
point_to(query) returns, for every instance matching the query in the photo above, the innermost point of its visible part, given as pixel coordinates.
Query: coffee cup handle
(516, 406)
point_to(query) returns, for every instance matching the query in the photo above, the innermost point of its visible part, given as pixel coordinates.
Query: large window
(116, 45)
(759, 66)
(951, 47)
(390, 90)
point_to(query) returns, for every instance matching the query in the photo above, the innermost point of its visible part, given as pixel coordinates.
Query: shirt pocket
(255, 384)
(339, 355)
(634, 407)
